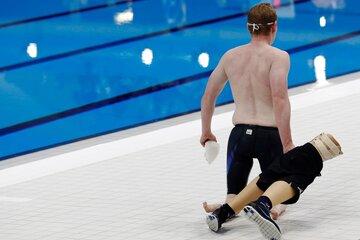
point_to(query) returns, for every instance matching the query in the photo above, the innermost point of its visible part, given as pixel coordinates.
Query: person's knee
(263, 183)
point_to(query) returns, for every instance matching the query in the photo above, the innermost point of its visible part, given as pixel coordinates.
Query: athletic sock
(265, 202)
(224, 213)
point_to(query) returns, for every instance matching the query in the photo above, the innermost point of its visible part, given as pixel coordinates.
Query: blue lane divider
(129, 126)
(66, 13)
(151, 89)
(131, 39)
(324, 42)
(102, 103)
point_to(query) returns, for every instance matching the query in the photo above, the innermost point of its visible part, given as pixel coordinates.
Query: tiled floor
(157, 193)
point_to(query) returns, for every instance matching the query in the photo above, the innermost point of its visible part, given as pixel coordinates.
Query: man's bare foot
(209, 208)
(277, 211)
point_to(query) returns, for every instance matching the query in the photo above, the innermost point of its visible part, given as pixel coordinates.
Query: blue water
(88, 77)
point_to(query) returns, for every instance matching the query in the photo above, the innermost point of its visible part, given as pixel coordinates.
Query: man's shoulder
(233, 51)
(236, 49)
(279, 53)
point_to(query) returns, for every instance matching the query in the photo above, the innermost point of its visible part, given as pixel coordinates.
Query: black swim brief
(245, 143)
(298, 167)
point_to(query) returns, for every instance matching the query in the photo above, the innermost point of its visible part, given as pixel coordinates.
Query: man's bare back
(248, 70)
(257, 73)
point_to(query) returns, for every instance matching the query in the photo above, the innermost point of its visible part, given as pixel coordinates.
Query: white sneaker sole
(212, 222)
(267, 228)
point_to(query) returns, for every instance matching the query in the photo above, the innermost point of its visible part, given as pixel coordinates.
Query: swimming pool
(73, 71)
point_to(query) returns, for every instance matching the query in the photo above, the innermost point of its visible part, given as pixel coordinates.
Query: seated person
(283, 182)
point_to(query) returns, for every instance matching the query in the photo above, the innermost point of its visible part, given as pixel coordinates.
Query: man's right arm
(214, 86)
(279, 90)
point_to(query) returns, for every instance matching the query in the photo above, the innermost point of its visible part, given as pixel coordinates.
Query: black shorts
(298, 167)
(245, 143)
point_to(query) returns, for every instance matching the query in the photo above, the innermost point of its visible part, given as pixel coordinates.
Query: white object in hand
(212, 149)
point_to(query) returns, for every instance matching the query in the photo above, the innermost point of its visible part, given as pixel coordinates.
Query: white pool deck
(149, 183)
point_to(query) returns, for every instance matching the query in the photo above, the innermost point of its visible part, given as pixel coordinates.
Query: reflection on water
(334, 4)
(203, 59)
(147, 56)
(175, 11)
(322, 21)
(126, 16)
(32, 50)
(320, 70)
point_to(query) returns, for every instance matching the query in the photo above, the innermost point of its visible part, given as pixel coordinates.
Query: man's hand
(288, 147)
(207, 136)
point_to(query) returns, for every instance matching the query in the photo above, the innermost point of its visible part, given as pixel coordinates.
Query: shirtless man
(257, 73)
